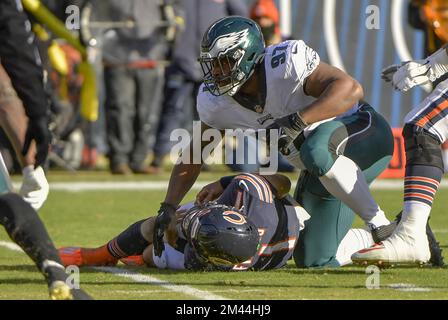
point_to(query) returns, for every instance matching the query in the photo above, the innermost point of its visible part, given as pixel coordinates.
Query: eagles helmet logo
(228, 42)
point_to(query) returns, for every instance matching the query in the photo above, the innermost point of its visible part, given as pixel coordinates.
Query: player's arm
(182, 179)
(14, 121)
(281, 184)
(184, 175)
(335, 90)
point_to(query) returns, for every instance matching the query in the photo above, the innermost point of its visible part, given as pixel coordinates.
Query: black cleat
(434, 247)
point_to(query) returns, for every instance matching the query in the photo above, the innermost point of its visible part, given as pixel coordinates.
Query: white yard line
(141, 278)
(408, 287)
(162, 185)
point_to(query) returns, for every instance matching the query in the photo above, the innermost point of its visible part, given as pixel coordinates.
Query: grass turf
(92, 218)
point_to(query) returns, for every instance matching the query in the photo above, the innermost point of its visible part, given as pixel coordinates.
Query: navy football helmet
(220, 235)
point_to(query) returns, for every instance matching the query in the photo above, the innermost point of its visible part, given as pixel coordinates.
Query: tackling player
(341, 144)
(426, 128)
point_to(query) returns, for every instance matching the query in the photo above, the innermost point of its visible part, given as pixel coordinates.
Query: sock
(26, 229)
(128, 243)
(420, 187)
(354, 240)
(97, 257)
(346, 182)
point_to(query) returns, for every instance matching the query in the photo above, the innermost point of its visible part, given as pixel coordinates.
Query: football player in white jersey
(426, 128)
(341, 143)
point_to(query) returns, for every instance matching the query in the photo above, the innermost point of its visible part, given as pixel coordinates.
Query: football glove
(164, 216)
(292, 125)
(417, 73)
(35, 188)
(39, 132)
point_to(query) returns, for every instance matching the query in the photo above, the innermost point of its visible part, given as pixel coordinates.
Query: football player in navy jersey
(242, 222)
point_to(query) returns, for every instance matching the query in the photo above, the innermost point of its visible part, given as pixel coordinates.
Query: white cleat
(402, 247)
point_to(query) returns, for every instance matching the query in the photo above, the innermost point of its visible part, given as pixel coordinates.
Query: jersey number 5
(279, 58)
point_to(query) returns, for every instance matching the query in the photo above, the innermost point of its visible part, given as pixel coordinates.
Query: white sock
(346, 182)
(354, 240)
(415, 216)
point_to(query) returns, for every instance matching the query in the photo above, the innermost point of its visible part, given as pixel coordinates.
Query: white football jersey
(287, 65)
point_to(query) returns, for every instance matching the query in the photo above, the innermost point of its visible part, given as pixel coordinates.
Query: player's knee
(422, 147)
(315, 258)
(316, 158)
(13, 209)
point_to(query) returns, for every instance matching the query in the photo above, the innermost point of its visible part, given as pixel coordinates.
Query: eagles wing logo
(229, 41)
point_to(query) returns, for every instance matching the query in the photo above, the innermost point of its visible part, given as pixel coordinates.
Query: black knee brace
(422, 147)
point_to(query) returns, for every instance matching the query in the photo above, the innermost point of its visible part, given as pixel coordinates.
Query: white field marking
(11, 246)
(408, 287)
(141, 278)
(440, 230)
(164, 291)
(163, 185)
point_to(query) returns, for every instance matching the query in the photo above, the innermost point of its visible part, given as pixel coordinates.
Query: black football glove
(39, 132)
(290, 127)
(165, 214)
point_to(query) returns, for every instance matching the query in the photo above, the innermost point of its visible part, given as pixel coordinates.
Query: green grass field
(92, 218)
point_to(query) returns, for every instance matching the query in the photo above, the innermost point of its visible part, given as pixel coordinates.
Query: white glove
(417, 73)
(35, 186)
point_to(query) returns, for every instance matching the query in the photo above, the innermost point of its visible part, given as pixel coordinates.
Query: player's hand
(420, 72)
(411, 74)
(292, 125)
(39, 132)
(35, 186)
(165, 214)
(209, 193)
(387, 74)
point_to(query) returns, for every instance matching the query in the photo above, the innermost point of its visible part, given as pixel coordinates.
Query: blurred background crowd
(131, 76)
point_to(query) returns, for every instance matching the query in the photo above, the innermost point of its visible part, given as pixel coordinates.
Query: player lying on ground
(199, 232)
(426, 128)
(340, 143)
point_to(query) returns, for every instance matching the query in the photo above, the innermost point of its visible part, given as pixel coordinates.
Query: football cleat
(133, 261)
(71, 256)
(434, 247)
(59, 290)
(382, 233)
(404, 246)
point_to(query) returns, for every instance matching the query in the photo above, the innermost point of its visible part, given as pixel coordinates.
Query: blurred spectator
(266, 14)
(184, 75)
(133, 81)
